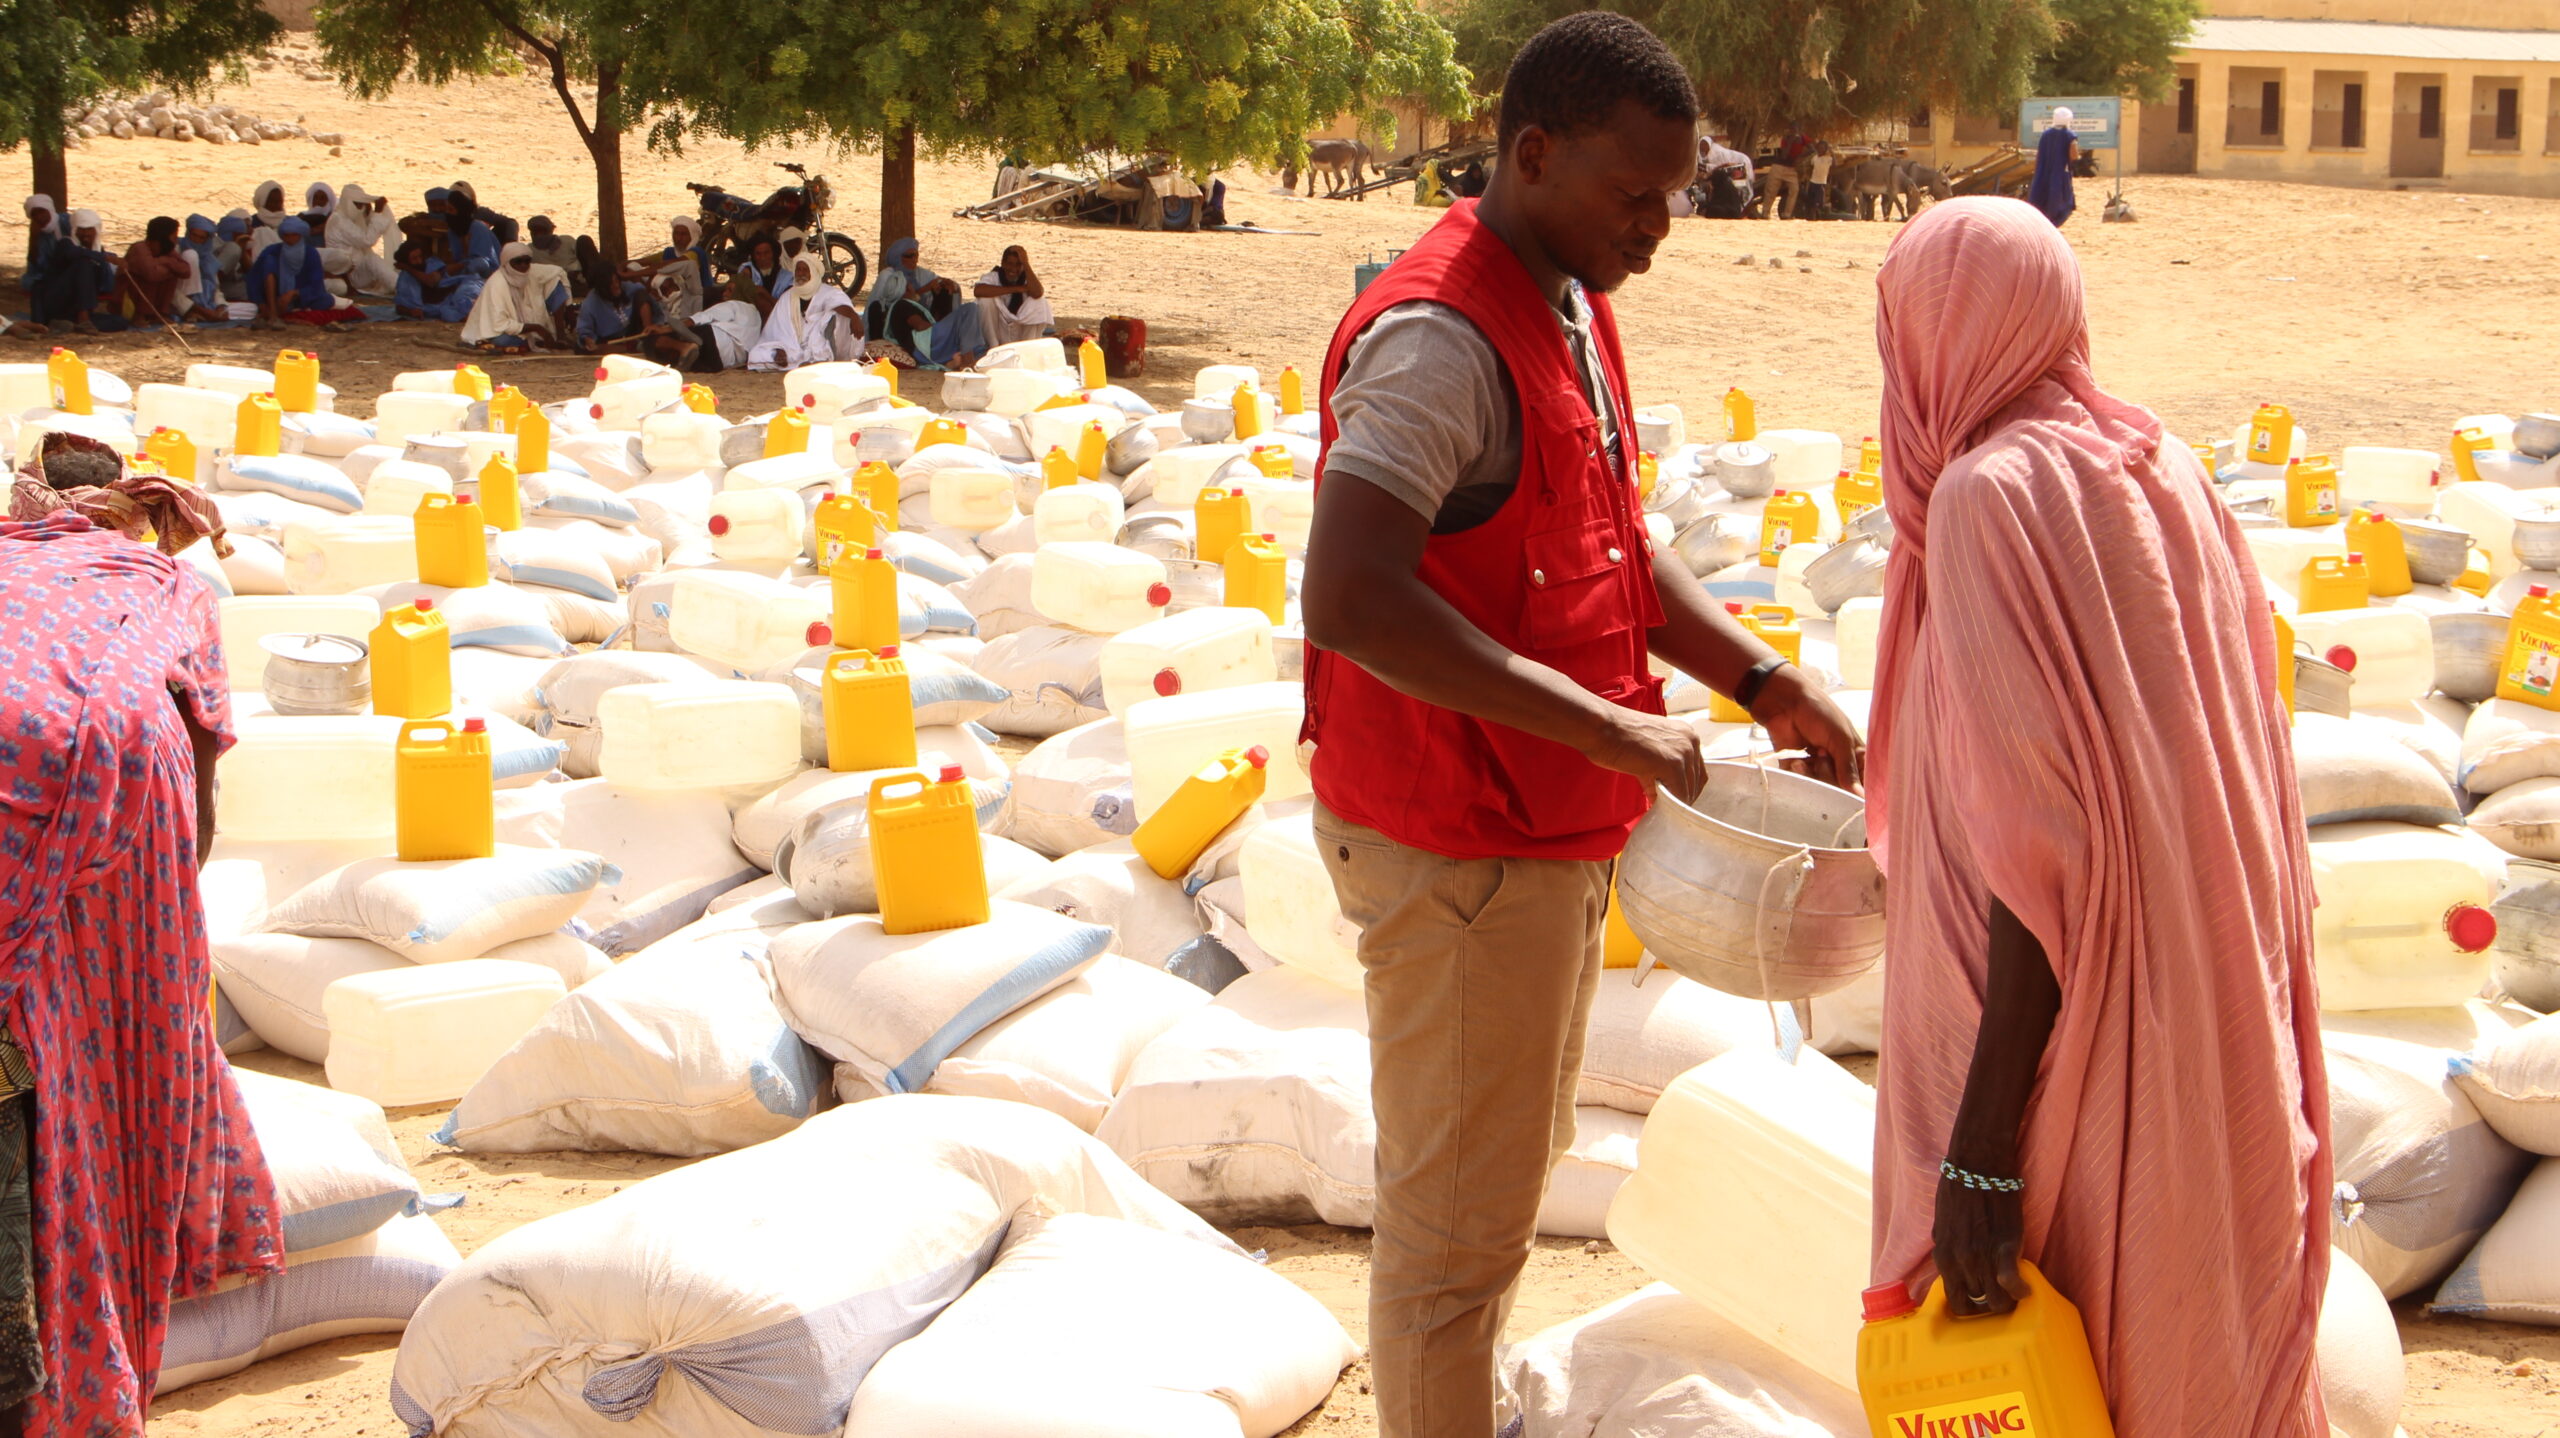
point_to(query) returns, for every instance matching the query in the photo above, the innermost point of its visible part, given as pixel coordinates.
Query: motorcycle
(731, 224)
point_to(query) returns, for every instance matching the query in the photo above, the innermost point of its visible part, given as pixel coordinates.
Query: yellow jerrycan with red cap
(2024, 1374)
(2531, 671)
(925, 856)
(1180, 830)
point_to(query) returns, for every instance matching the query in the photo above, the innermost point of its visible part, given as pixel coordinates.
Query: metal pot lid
(315, 648)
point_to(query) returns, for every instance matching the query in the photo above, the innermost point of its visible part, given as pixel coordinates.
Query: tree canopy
(2116, 47)
(64, 54)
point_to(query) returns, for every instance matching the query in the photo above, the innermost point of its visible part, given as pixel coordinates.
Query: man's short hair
(1572, 75)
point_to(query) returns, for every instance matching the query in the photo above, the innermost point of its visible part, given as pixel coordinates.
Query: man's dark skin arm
(1978, 1234)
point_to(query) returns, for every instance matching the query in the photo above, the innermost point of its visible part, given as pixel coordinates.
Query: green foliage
(2116, 47)
(62, 54)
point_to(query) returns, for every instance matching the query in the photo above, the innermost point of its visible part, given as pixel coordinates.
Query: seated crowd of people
(514, 288)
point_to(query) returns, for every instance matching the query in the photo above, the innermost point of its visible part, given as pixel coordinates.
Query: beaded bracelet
(1977, 1182)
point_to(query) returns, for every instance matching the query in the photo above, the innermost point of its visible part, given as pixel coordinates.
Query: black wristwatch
(1756, 678)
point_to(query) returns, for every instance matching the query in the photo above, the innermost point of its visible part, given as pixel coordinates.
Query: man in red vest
(1480, 607)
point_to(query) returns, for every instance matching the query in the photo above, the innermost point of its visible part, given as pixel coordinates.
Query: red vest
(1560, 574)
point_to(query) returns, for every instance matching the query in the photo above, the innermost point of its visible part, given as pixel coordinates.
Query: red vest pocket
(1577, 591)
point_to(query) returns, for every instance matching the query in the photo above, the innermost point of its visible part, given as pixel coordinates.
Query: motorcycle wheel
(846, 268)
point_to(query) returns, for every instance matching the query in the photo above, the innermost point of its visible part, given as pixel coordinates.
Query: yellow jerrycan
(843, 524)
(699, 399)
(869, 709)
(175, 453)
(1293, 391)
(941, 431)
(1855, 494)
(786, 433)
(1057, 469)
(2531, 671)
(1741, 421)
(2271, 435)
(1258, 577)
(1175, 835)
(1248, 408)
(1648, 474)
(1220, 517)
(441, 789)
(297, 382)
(2311, 492)
(926, 862)
(1776, 626)
(506, 404)
(2386, 552)
(2474, 579)
(1785, 519)
(453, 546)
(1871, 456)
(68, 374)
(1619, 946)
(412, 654)
(2330, 582)
(1069, 400)
(876, 485)
(260, 429)
(888, 374)
(2025, 1374)
(2284, 656)
(865, 614)
(532, 430)
(1092, 447)
(1271, 461)
(1089, 366)
(470, 381)
(2466, 443)
(501, 502)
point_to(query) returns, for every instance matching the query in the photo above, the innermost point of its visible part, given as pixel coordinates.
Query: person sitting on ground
(46, 227)
(203, 298)
(810, 324)
(231, 256)
(266, 213)
(502, 227)
(153, 288)
(426, 289)
(70, 289)
(682, 260)
(793, 242)
(289, 287)
(1012, 303)
(523, 306)
(351, 242)
(469, 240)
(762, 279)
(319, 202)
(677, 300)
(616, 313)
(917, 313)
(719, 338)
(550, 247)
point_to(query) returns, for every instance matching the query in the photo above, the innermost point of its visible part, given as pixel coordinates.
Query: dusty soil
(2380, 317)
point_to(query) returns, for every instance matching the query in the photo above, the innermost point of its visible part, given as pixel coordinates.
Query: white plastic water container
(1285, 509)
(1181, 473)
(248, 618)
(2389, 654)
(746, 621)
(618, 367)
(236, 380)
(1045, 353)
(699, 734)
(827, 387)
(1100, 588)
(2282, 553)
(209, 417)
(786, 472)
(1752, 1195)
(1090, 512)
(972, 499)
(397, 485)
(2403, 917)
(1173, 738)
(630, 393)
(402, 415)
(308, 777)
(1013, 393)
(1806, 457)
(680, 439)
(2488, 512)
(24, 387)
(1855, 631)
(758, 526)
(1063, 427)
(423, 381)
(1289, 903)
(425, 1033)
(1219, 381)
(341, 556)
(1194, 652)
(2403, 481)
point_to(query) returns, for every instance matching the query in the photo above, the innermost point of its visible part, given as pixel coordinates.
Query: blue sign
(2097, 121)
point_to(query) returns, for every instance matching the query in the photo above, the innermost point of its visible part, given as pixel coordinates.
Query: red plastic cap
(887, 651)
(595, 411)
(820, 634)
(808, 401)
(2539, 591)
(2342, 656)
(599, 372)
(1777, 494)
(1269, 538)
(719, 524)
(1168, 682)
(481, 726)
(1159, 595)
(1733, 606)
(426, 605)
(825, 494)
(871, 554)
(2471, 927)
(1887, 1300)
(951, 774)
(1258, 756)
(2353, 557)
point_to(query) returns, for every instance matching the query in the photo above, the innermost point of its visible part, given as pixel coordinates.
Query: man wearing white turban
(70, 277)
(351, 243)
(521, 306)
(811, 323)
(46, 227)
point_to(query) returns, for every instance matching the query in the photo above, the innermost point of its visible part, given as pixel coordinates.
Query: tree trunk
(53, 174)
(604, 147)
(897, 190)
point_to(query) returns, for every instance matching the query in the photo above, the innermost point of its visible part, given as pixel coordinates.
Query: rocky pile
(161, 116)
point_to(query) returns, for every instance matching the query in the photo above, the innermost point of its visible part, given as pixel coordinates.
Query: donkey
(1336, 160)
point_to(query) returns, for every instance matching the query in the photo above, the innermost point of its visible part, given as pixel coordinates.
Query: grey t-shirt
(1426, 411)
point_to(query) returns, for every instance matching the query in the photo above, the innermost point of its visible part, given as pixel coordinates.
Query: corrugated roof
(2357, 37)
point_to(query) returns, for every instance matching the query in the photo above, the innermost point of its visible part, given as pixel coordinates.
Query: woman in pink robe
(2098, 984)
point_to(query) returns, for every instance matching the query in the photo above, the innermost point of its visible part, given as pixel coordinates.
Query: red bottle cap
(2471, 927)
(1733, 606)
(1168, 683)
(871, 554)
(1887, 1300)
(808, 401)
(719, 524)
(887, 651)
(1159, 595)
(1257, 756)
(820, 634)
(2342, 656)
(595, 411)
(1268, 538)
(825, 494)
(1777, 494)
(425, 605)
(2538, 591)
(481, 726)
(951, 774)
(600, 373)
(2354, 558)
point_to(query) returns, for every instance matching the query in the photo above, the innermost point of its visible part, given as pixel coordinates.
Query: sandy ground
(2379, 317)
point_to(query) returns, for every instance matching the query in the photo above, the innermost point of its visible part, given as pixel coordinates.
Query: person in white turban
(47, 227)
(1012, 302)
(813, 322)
(69, 283)
(351, 243)
(521, 307)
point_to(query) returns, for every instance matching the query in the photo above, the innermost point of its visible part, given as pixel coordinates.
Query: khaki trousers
(1480, 979)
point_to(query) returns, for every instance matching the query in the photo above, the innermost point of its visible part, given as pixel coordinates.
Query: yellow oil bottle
(926, 862)
(2531, 671)
(1741, 420)
(506, 404)
(2386, 551)
(1871, 456)
(941, 431)
(1248, 408)
(865, 614)
(2331, 582)
(843, 523)
(888, 375)
(1619, 946)
(442, 793)
(1293, 391)
(532, 430)
(260, 429)
(1089, 366)
(869, 709)
(1092, 447)
(2466, 443)
(412, 658)
(1855, 494)
(787, 432)
(2271, 435)
(1784, 519)
(1057, 469)
(876, 485)
(1219, 518)
(501, 502)
(2027, 1372)
(175, 452)
(1258, 577)
(1776, 626)
(453, 545)
(699, 399)
(69, 376)
(1271, 461)
(1648, 474)
(1069, 400)
(470, 381)
(2284, 656)
(2311, 492)
(297, 382)
(1174, 836)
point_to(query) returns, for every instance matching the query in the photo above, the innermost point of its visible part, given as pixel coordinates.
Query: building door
(2417, 127)
(2167, 143)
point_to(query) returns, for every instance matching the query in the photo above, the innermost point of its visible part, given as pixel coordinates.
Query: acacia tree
(65, 54)
(2116, 47)
(1208, 83)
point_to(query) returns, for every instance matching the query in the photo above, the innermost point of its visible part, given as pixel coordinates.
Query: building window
(2187, 103)
(2337, 110)
(2496, 124)
(2254, 118)
(2508, 127)
(2431, 112)
(2271, 107)
(2351, 119)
